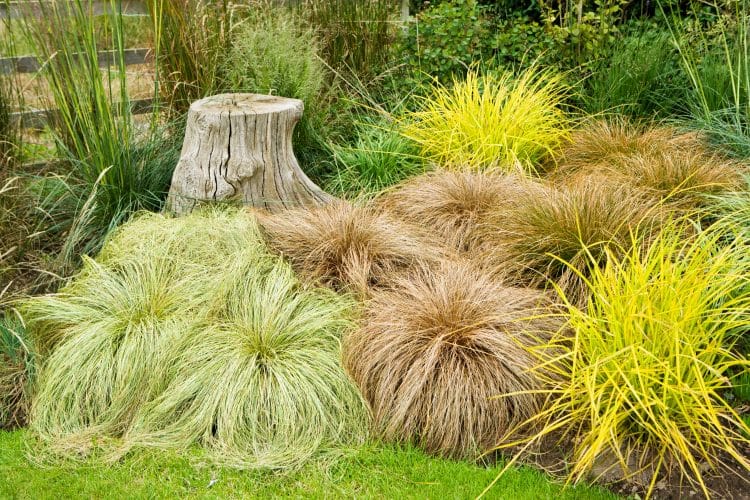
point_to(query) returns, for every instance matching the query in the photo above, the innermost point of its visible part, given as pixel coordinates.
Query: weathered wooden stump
(239, 147)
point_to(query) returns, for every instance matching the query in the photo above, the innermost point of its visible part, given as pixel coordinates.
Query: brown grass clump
(434, 351)
(575, 223)
(346, 246)
(452, 204)
(667, 164)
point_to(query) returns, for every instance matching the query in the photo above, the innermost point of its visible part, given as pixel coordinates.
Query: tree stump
(239, 147)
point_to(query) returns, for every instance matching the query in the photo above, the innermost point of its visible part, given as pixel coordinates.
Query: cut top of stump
(258, 104)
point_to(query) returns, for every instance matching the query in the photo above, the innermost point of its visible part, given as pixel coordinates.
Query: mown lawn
(372, 472)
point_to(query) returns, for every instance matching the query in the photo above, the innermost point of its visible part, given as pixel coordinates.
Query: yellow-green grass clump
(262, 385)
(579, 224)
(650, 360)
(669, 165)
(443, 358)
(492, 121)
(347, 246)
(124, 339)
(453, 205)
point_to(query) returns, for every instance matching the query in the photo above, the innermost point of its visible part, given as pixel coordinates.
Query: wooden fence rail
(17, 10)
(32, 64)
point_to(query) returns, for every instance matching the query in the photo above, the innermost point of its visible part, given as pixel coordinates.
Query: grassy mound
(195, 311)
(263, 386)
(347, 246)
(580, 224)
(488, 121)
(667, 164)
(436, 353)
(454, 204)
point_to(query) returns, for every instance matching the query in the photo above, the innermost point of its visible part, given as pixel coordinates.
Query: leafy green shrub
(446, 39)
(488, 121)
(650, 360)
(187, 331)
(380, 157)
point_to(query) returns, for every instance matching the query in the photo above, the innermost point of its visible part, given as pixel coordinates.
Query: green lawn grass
(372, 472)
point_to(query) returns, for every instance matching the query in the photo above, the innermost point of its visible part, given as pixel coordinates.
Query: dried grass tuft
(347, 246)
(576, 224)
(669, 165)
(433, 352)
(453, 204)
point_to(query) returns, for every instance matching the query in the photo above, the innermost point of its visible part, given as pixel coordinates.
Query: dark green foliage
(380, 157)
(16, 371)
(446, 39)
(641, 77)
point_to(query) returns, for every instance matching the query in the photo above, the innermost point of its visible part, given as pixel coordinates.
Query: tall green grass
(16, 370)
(649, 362)
(356, 34)
(115, 167)
(715, 56)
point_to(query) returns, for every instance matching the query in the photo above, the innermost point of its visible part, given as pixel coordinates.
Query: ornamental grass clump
(650, 361)
(109, 329)
(492, 121)
(443, 358)
(455, 204)
(579, 224)
(261, 386)
(188, 332)
(347, 246)
(669, 165)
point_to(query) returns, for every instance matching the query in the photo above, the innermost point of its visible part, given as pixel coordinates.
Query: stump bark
(239, 147)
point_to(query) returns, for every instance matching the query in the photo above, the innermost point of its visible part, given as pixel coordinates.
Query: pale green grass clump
(489, 121)
(263, 386)
(650, 360)
(188, 331)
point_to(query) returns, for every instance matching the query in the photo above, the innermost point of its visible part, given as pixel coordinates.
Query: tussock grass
(582, 224)
(650, 361)
(497, 122)
(110, 329)
(667, 164)
(263, 385)
(379, 158)
(347, 246)
(455, 204)
(434, 351)
(189, 332)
